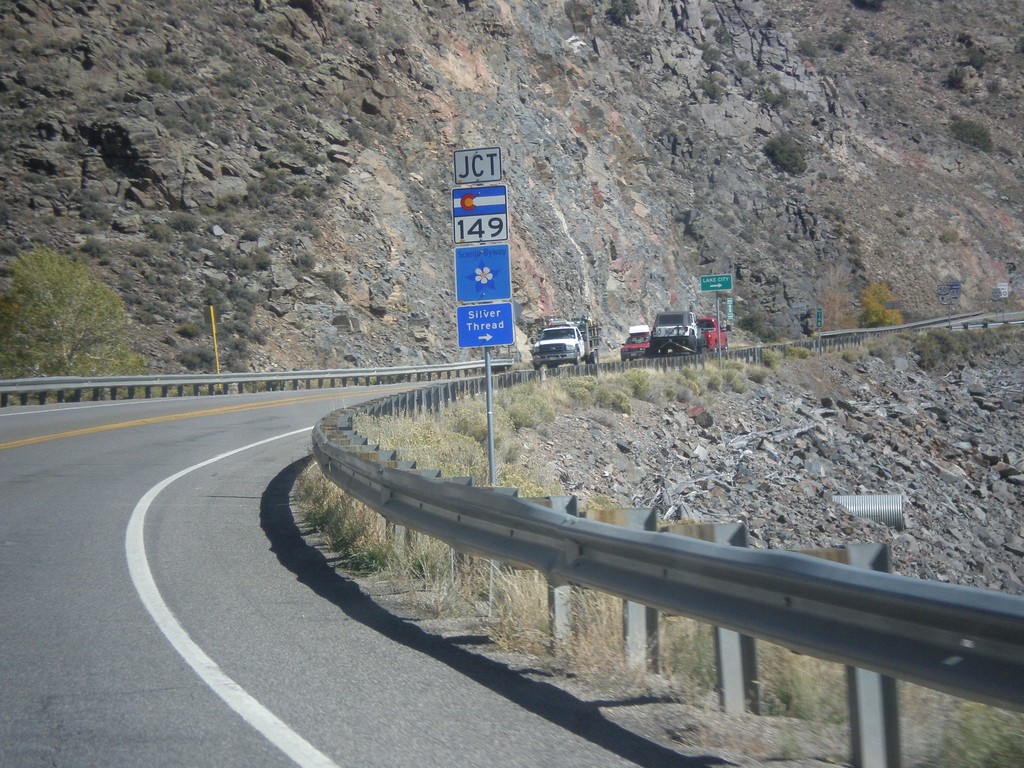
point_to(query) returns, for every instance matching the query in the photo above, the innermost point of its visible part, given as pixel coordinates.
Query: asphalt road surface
(158, 607)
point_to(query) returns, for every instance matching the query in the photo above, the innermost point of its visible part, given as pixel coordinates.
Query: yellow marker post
(213, 324)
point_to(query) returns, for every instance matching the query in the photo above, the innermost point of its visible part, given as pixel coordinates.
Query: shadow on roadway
(548, 701)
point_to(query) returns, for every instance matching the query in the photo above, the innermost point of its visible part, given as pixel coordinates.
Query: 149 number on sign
(480, 229)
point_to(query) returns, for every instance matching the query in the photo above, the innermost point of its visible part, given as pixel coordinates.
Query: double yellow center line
(163, 419)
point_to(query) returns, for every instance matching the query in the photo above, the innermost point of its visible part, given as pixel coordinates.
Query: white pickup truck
(565, 341)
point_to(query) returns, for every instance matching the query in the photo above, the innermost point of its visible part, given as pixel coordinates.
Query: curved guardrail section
(966, 641)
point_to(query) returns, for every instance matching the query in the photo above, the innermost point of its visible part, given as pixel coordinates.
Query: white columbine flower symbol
(484, 275)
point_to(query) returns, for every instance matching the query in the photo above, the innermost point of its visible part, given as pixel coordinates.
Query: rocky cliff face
(944, 442)
(291, 162)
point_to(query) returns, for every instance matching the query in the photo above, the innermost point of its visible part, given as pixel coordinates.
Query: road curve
(158, 607)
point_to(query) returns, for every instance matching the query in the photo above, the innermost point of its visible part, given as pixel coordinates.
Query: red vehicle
(715, 338)
(636, 344)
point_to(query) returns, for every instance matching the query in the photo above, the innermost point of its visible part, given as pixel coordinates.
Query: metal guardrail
(73, 389)
(965, 641)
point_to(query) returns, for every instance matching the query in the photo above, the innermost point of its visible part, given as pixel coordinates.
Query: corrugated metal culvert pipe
(884, 508)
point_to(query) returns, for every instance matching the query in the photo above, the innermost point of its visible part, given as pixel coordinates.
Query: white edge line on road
(276, 731)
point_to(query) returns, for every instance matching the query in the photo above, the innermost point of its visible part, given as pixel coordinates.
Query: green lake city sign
(716, 282)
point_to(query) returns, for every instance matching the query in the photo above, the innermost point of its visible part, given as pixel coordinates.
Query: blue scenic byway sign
(485, 325)
(483, 273)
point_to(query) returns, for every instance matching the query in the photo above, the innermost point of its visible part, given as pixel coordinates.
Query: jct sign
(478, 166)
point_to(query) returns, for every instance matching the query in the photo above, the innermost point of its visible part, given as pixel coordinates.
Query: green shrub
(710, 55)
(938, 347)
(348, 528)
(639, 382)
(528, 407)
(182, 222)
(712, 89)
(838, 41)
(770, 358)
(613, 396)
(977, 57)
(94, 247)
(786, 153)
(734, 380)
(757, 375)
(159, 77)
(807, 48)
(713, 382)
(773, 99)
(972, 133)
(621, 11)
(189, 330)
(581, 389)
(853, 354)
(197, 359)
(956, 78)
(797, 353)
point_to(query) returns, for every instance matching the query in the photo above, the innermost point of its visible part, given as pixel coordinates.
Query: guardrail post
(640, 622)
(872, 697)
(735, 654)
(560, 598)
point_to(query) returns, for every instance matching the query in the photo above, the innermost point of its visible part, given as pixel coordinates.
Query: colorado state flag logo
(479, 201)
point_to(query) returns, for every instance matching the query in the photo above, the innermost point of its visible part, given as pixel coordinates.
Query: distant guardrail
(62, 389)
(76, 389)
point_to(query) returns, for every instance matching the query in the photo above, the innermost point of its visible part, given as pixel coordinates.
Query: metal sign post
(492, 473)
(718, 320)
(483, 283)
(717, 283)
(949, 294)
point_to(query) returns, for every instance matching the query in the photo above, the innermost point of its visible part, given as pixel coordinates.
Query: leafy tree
(873, 312)
(59, 319)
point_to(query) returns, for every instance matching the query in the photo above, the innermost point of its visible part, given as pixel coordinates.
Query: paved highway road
(158, 608)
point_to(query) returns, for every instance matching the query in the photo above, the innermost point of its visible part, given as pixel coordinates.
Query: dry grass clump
(800, 686)
(688, 657)
(351, 529)
(520, 610)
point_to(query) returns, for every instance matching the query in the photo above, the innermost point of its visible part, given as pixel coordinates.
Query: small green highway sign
(716, 282)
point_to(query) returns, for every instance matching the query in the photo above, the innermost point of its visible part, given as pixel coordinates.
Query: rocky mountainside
(947, 439)
(290, 161)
